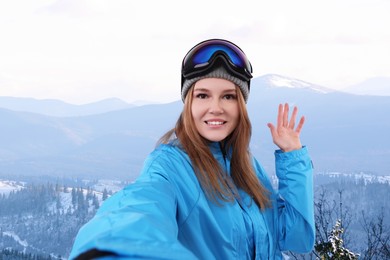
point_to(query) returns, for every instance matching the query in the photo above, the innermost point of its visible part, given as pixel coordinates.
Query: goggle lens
(204, 55)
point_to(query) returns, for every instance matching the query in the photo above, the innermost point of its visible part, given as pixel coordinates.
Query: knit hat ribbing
(219, 72)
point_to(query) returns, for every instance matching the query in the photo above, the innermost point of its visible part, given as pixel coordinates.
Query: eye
(230, 96)
(201, 95)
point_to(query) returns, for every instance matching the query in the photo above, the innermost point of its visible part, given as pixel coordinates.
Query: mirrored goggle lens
(201, 55)
(204, 55)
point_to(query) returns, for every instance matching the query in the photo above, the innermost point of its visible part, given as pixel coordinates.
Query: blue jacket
(165, 214)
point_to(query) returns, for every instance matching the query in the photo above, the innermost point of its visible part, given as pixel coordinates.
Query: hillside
(42, 215)
(344, 132)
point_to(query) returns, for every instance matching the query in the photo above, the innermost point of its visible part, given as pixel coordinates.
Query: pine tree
(74, 199)
(81, 203)
(58, 202)
(334, 248)
(95, 201)
(105, 194)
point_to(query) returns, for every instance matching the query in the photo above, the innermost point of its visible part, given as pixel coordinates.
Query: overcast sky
(82, 51)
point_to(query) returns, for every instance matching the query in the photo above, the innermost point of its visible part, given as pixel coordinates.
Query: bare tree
(332, 220)
(344, 217)
(324, 212)
(378, 237)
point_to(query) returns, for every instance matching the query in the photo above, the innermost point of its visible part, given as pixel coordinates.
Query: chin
(214, 139)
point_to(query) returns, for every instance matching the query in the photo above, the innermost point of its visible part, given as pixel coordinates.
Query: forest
(41, 220)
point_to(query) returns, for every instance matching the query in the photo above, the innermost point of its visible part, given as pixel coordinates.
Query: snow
(279, 81)
(109, 185)
(66, 200)
(7, 186)
(367, 178)
(16, 238)
(287, 82)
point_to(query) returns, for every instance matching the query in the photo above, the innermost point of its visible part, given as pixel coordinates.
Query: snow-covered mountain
(7, 186)
(42, 218)
(278, 81)
(98, 186)
(51, 107)
(344, 132)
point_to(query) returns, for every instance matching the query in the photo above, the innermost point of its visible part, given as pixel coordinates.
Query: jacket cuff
(291, 154)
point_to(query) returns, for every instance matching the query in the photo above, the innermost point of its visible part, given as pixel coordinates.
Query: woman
(201, 195)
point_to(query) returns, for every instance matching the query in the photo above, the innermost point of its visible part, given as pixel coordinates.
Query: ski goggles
(204, 56)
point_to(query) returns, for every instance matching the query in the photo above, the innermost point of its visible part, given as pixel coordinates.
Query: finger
(285, 115)
(280, 116)
(293, 118)
(272, 129)
(300, 125)
(271, 126)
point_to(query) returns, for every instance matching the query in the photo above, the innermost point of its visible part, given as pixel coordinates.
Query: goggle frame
(207, 54)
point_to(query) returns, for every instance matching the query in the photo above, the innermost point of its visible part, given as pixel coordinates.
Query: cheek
(193, 112)
(196, 111)
(234, 111)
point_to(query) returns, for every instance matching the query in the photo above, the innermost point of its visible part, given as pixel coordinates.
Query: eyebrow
(201, 89)
(207, 90)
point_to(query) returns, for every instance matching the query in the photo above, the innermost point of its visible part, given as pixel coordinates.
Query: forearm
(296, 209)
(138, 221)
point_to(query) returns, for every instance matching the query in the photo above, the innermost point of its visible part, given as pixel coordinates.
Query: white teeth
(214, 122)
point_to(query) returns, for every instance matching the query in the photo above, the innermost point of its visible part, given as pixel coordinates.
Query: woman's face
(215, 108)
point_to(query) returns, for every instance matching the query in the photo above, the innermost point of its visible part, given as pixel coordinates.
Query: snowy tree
(334, 248)
(105, 194)
(95, 201)
(74, 198)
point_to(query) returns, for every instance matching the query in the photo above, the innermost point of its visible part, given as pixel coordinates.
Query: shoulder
(166, 153)
(169, 163)
(166, 160)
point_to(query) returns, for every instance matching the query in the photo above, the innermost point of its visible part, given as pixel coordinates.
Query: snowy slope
(7, 186)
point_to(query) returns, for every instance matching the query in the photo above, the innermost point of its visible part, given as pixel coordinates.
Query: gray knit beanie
(219, 72)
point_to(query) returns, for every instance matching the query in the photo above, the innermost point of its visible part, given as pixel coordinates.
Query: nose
(215, 106)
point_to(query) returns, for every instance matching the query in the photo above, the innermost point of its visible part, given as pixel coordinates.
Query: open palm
(283, 134)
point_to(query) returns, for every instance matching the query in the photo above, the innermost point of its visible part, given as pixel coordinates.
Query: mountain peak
(278, 81)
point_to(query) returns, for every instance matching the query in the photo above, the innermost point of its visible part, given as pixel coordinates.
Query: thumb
(271, 128)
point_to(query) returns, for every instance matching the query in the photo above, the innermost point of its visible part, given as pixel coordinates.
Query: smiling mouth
(215, 122)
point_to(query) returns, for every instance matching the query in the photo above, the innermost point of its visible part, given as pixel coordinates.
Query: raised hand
(284, 135)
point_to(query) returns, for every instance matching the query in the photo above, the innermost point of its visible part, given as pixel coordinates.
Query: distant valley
(344, 132)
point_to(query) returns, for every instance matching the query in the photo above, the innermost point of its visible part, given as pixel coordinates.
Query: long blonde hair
(214, 181)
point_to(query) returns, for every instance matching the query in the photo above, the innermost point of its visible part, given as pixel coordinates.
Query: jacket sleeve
(295, 201)
(136, 222)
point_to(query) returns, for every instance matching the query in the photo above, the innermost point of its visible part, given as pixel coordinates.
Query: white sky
(82, 51)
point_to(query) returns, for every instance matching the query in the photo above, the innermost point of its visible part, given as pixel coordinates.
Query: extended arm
(294, 171)
(136, 222)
